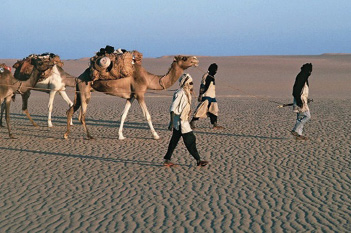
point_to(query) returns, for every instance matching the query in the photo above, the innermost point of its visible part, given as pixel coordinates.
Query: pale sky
(78, 28)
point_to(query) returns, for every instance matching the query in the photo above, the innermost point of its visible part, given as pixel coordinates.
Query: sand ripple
(259, 179)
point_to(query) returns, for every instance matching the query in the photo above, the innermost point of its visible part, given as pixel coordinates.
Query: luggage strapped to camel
(4, 67)
(43, 62)
(109, 64)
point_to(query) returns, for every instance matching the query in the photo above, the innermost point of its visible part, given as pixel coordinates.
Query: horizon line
(261, 55)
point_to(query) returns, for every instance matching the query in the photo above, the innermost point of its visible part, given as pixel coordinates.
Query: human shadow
(239, 135)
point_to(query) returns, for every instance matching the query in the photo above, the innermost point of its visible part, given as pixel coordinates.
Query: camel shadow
(89, 157)
(91, 122)
(139, 125)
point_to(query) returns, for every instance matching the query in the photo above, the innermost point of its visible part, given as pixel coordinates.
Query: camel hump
(24, 69)
(104, 62)
(109, 63)
(4, 70)
(138, 57)
(46, 61)
(42, 62)
(4, 67)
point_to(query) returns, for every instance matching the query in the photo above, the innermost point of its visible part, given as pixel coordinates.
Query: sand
(259, 178)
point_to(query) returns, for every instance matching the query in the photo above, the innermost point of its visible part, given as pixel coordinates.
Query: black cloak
(300, 81)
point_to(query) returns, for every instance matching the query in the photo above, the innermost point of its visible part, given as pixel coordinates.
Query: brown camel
(9, 85)
(130, 88)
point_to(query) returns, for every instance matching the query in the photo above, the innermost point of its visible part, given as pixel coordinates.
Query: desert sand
(259, 178)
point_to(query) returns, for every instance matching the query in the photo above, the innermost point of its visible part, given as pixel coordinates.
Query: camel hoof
(156, 137)
(35, 125)
(12, 137)
(50, 125)
(65, 136)
(121, 138)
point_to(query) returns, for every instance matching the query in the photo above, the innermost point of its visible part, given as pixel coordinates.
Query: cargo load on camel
(109, 63)
(3, 66)
(43, 62)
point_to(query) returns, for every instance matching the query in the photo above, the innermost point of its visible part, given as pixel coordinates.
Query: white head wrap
(184, 80)
(184, 83)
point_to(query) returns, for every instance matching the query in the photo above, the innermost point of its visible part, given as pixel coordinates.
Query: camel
(56, 82)
(9, 85)
(129, 88)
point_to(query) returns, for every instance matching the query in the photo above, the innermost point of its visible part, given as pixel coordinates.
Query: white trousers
(301, 119)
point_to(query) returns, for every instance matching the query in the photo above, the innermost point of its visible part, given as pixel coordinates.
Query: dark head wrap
(212, 69)
(300, 81)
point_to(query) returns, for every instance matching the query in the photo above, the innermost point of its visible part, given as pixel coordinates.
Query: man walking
(179, 122)
(208, 106)
(300, 104)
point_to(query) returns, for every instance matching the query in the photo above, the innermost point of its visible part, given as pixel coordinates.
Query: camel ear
(176, 58)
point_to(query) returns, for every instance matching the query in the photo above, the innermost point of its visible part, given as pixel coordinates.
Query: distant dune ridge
(259, 178)
(261, 75)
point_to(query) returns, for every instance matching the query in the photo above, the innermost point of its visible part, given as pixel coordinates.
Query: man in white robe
(179, 122)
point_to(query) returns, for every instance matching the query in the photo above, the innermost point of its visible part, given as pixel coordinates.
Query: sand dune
(259, 179)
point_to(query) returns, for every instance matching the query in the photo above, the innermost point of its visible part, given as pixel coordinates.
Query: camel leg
(7, 115)
(25, 97)
(3, 105)
(124, 116)
(80, 115)
(83, 109)
(70, 112)
(84, 101)
(50, 106)
(148, 117)
(81, 101)
(64, 96)
(82, 120)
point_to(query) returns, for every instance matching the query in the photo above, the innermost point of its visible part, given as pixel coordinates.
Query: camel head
(186, 61)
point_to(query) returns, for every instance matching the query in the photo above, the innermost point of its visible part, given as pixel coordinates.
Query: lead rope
(19, 88)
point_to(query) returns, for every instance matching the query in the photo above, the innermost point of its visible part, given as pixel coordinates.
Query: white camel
(56, 82)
